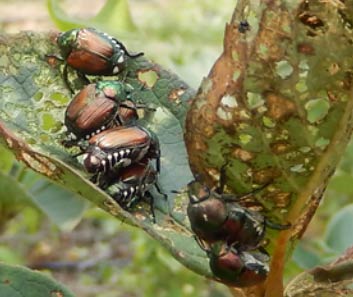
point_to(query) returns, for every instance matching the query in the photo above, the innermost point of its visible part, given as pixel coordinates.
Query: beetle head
(66, 41)
(197, 192)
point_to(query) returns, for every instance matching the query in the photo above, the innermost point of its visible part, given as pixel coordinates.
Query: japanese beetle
(217, 217)
(91, 52)
(133, 183)
(97, 107)
(120, 147)
(237, 268)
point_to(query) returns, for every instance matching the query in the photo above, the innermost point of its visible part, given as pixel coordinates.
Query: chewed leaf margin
(34, 98)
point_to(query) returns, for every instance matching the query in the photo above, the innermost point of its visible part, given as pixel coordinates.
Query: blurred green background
(45, 227)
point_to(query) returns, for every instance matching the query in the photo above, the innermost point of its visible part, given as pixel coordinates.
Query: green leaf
(22, 282)
(290, 117)
(64, 208)
(338, 231)
(341, 183)
(114, 17)
(305, 257)
(22, 187)
(6, 159)
(31, 89)
(9, 256)
(115, 14)
(12, 193)
(251, 118)
(13, 198)
(60, 18)
(322, 281)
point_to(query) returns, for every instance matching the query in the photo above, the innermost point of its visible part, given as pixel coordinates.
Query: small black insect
(243, 26)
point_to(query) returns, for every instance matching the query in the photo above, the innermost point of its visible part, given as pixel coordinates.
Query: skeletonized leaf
(276, 111)
(32, 106)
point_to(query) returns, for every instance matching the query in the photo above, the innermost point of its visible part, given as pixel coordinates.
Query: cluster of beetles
(102, 119)
(123, 158)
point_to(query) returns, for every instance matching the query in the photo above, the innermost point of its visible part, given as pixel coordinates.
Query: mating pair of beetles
(102, 118)
(232, 235)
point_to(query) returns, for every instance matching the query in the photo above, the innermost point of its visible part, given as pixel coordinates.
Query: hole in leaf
(148, 77)
(317, 109)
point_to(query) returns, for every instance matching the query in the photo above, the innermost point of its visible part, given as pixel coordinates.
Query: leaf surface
(32, 108)
(17, 281)
(276, 112)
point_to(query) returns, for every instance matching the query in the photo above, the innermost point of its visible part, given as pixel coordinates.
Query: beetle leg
(151, 206)
(160, 191)
(230, 197)
(117, 119)
(95, 179)
(79, 154)
(233, 198)
(118, 165)
(230, 247)
(158, 164)
(127, 106)
(133, 55)
(131, 203)
(277, 226)
(263, 251)
(147, 193)
(104, 183)
(83, 77)
(68, 143)
(202, 245)
(66, 79)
